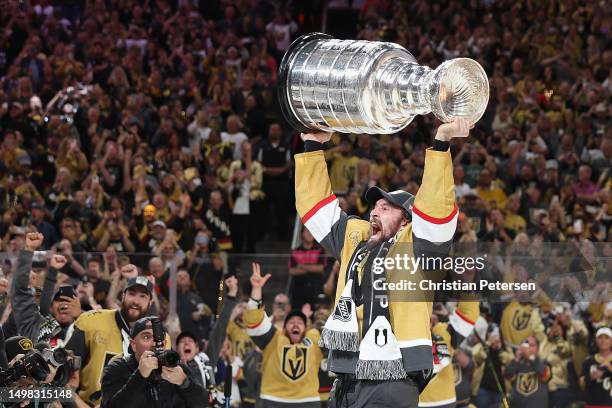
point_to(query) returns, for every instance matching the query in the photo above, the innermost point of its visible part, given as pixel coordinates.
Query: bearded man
(99, 335)
(291, 357)
(380, 346)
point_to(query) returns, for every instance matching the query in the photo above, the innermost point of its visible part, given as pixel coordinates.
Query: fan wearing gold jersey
(100, 335)
(440, 391)
(291, 356)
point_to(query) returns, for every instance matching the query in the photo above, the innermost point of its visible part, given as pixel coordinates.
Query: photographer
(65, 307)
(132, 380)
(101, 334)
(40, 365)
(529, 375)
(26, 365)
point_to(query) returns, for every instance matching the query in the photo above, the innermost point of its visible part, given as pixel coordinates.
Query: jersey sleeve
(314, 335)
(435, 212)
(462, 320)
(316, 204)
(258, 325)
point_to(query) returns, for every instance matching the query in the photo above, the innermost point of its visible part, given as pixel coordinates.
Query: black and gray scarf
(380, 357)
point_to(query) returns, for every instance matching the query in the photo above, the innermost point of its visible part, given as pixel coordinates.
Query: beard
(130, 313)
(380, 232)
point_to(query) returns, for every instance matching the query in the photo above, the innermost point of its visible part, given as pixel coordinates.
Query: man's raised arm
(25, 310)
(435, 213)
(258, 325)
(316, 204)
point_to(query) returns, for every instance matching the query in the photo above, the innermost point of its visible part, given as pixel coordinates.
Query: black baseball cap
(141, 324)
(17, 345)
(297, 313)
(185, 334)
(140, 281)
(399, 198)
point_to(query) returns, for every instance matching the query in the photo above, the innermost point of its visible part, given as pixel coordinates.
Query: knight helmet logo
(295, 360)
(527, 383)
(520, 320)
(380, 337)
(343, 309)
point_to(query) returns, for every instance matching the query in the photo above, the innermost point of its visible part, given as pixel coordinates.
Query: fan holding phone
(51, 319)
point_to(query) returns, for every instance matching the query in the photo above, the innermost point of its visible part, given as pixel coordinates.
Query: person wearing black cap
(381, 359)
(31, 318)
(187, 342)
(128, 381)
(102, 334)
(291, 356)
(17, 345)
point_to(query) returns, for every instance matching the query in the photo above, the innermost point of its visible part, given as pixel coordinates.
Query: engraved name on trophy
(373, 87)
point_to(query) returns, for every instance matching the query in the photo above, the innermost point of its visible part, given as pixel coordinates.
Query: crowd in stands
(144, 137)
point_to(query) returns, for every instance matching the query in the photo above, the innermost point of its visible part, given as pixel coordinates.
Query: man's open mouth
(375, 227)
(187, 351)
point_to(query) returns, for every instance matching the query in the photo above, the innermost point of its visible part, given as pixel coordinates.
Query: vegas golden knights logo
(527, 383)
(520, 320)
(295, 359)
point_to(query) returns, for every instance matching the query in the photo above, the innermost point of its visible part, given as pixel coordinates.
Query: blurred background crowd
(148, 133)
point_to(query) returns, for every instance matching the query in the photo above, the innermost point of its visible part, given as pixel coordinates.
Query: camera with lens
(65, 361)
(56, 357)
(167, 358)
(32, 365)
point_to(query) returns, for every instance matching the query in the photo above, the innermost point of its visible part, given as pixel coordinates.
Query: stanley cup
(373, 87)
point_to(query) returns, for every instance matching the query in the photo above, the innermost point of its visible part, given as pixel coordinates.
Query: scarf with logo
(48, 329)
(380, 357)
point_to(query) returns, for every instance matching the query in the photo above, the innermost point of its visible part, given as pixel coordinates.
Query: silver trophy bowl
(373, 87)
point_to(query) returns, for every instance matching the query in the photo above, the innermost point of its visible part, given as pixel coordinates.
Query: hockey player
(383, 350)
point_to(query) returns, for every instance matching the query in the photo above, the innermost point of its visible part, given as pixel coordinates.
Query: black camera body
(167, 358)
(56, 357)
(32, 365)
(65, 361)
